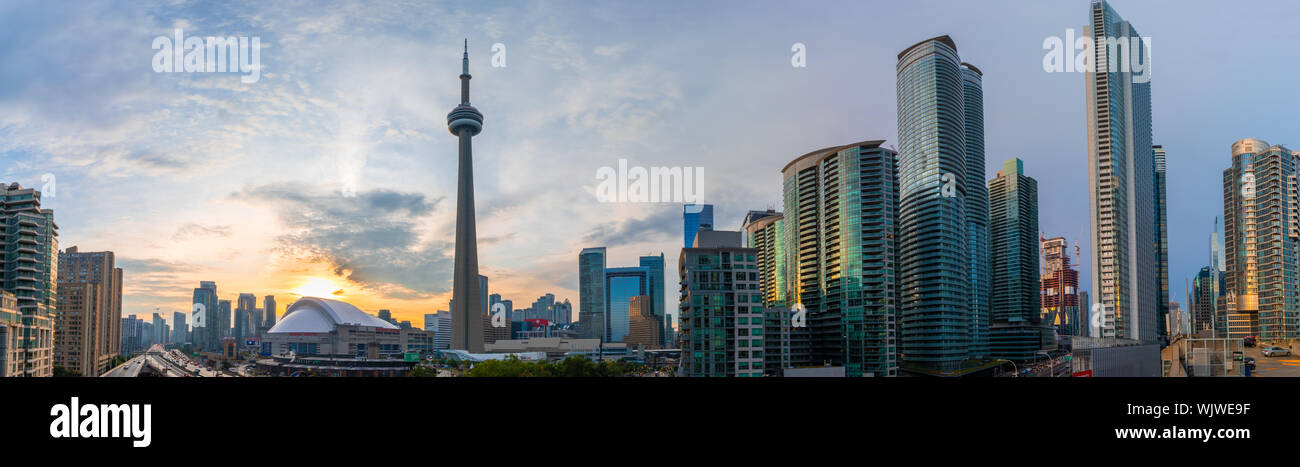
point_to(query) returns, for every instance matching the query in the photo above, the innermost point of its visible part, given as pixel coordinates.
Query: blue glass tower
(694, 217)
(623, 284)
(655, 267)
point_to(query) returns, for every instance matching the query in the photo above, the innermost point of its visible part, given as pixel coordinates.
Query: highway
(160, 362)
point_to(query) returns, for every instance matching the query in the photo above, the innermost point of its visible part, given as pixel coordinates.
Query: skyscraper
(621, 285)
(1261, 235)
(1016, 332)
(842, 204)
(88, 325)
(655, 268)
(977, 209)
(30, 270)
(1121, 185)
(764, 231)
(591, 293)
(465, 122)
(268, 308)
(644, 327)
(180, 330)
(940, 330)
(1162, 245)
(206, 317)
(694, 218)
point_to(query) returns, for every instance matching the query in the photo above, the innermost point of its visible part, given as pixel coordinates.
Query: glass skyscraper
(841, 203)
(655, 268)
(942, 323)
(1162, 245)
(591, 292)
(1016, 332)
(694, 217)
(621, 285)
(1122, 186)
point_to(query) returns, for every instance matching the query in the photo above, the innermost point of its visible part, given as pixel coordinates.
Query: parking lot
(1284, 366)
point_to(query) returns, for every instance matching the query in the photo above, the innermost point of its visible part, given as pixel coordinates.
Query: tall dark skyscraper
(465, 121)
(1016, 332)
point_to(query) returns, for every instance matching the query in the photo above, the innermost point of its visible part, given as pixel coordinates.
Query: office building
(721, 309)
(695, 217)
(440, 324)
(621, 285)
(468, 298)
(30, 270)
(644, 327)
(1122, 191)
(1017, 332)
(591, 293)
(842, 203)
(1261, 220)
(941, 277)
(656, 289)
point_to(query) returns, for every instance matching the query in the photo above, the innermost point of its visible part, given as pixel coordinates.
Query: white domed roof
(312, 314)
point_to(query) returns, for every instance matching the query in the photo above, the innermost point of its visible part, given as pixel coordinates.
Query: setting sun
(318, 287)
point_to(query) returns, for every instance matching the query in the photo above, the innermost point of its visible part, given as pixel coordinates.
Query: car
(1249, 341)
(1250, 363)
(1275, 351)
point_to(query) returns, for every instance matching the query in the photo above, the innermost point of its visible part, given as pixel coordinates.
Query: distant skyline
(191, 177)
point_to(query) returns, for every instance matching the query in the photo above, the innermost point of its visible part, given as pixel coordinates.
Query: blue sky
(194, 176)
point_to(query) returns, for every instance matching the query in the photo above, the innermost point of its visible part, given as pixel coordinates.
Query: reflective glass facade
(939, 329)
(591, 292)
(622, 284)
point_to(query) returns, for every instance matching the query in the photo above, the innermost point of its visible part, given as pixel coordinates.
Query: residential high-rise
(942, 324)
(977, 210)
(87, 329)
(1017, 332)
(655, 268)
(1162, 245)
(842, 204)
(694, 218)
(465, 122)
(30, 269)
(621, 284)
(1059, 286)
(268, 308)
(765, 232)
(721, 310)
(1261, 220)
(246, 321)
(591, 293)
(1121, 186)
(11, 335)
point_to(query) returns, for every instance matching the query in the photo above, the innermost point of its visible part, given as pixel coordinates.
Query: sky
(334, 172)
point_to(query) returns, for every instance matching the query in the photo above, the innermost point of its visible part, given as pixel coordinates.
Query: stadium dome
(312, 314)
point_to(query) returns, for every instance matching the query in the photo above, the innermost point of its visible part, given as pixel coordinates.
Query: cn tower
(465, 121)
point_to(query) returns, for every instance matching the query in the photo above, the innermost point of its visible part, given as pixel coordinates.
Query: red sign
(1083, 374)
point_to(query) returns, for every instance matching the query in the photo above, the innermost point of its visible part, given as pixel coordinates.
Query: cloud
(371, 238)
(192, 230)
(662, 223)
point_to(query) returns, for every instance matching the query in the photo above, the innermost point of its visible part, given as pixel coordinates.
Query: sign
(1083, 374)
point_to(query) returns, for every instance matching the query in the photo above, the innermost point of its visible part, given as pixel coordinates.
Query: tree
(423, 371)
(61, 372)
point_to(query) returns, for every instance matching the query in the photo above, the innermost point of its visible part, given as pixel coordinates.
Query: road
(160, 362)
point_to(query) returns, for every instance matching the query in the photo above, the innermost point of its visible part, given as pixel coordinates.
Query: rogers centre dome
(322, 315)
